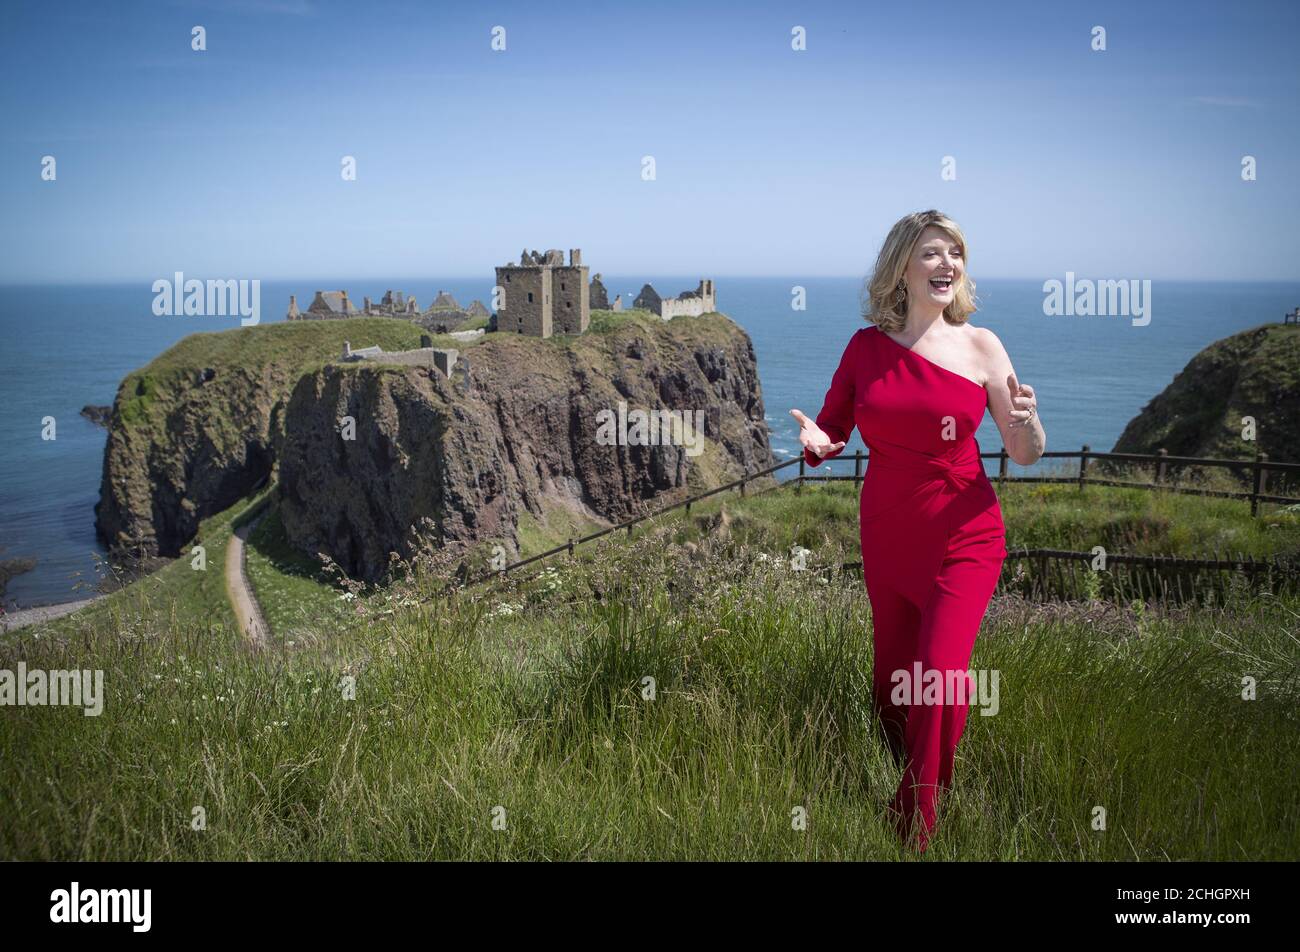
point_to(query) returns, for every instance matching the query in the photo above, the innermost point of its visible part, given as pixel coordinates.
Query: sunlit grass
(528, 702)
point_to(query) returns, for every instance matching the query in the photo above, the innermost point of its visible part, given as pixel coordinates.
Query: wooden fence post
(857, 469)
(798, 486)
(1160, 467)
(1002, 463)
(1083, 465)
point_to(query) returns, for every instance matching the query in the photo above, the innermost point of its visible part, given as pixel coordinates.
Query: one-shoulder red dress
(933, 545)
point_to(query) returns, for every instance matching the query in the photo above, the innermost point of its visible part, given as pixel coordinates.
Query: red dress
(933, 543)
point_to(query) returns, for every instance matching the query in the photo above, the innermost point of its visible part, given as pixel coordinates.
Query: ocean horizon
(69, 345)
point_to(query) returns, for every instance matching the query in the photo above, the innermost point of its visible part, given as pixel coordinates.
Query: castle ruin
(703, 300)
(598, 295)
(444, 314)
(394, 304)
(542, 295)
(327, 305)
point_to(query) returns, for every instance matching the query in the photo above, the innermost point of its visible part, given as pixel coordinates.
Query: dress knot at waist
(958, 467)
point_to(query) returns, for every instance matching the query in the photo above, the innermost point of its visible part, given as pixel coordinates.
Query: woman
(932, 536)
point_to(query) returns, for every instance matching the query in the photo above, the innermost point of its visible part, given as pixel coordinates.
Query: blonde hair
(880, 295)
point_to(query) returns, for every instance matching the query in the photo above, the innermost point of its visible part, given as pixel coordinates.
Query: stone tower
(542, 295)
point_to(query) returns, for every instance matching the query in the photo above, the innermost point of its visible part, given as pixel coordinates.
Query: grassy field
(297, 598)
(513, 722)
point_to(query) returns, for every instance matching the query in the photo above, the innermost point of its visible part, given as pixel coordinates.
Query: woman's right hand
(814, 438)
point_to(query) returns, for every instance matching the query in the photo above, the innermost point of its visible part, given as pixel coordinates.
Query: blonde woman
(916, 384)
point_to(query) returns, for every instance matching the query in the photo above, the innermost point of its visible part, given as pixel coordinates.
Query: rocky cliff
(197, 428)
(1254, 373)
(515, 432)
(512, 433)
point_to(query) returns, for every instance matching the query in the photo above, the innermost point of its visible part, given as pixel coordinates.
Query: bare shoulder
(987, 344)
(992, 356)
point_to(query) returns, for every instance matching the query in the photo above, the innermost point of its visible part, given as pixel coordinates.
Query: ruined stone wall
(443, 358)
(648, 299)
(692, 305)
(672, 307)
(518, 313)
(684, 307)
(571, 296)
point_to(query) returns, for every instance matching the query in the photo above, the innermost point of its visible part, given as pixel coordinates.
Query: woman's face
(934, 268)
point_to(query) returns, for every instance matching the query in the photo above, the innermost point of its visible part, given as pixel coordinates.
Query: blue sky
(226, 163)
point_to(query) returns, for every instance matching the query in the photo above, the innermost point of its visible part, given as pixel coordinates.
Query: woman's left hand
(1024, 406)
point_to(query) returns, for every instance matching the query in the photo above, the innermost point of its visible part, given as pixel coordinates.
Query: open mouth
(941, 284)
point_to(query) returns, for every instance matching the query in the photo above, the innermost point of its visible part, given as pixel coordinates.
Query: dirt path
(240, 592)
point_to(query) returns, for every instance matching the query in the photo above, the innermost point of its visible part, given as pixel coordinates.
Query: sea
(69, 346)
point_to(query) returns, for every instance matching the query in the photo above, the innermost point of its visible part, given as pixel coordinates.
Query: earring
(901, 294)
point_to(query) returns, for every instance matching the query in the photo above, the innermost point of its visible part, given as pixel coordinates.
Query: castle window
(561, 285)
(569, 305)
(530, 297)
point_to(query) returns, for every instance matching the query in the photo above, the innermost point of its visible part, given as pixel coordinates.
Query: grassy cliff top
(312, 342)
(283, 352)
(1254, 373)
(286, 350)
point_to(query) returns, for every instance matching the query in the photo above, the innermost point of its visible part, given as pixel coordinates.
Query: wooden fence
(1159, 569)
(1161, 462)
(1057, 574)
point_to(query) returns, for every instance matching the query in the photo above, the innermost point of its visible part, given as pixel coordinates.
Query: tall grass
(516, 722)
